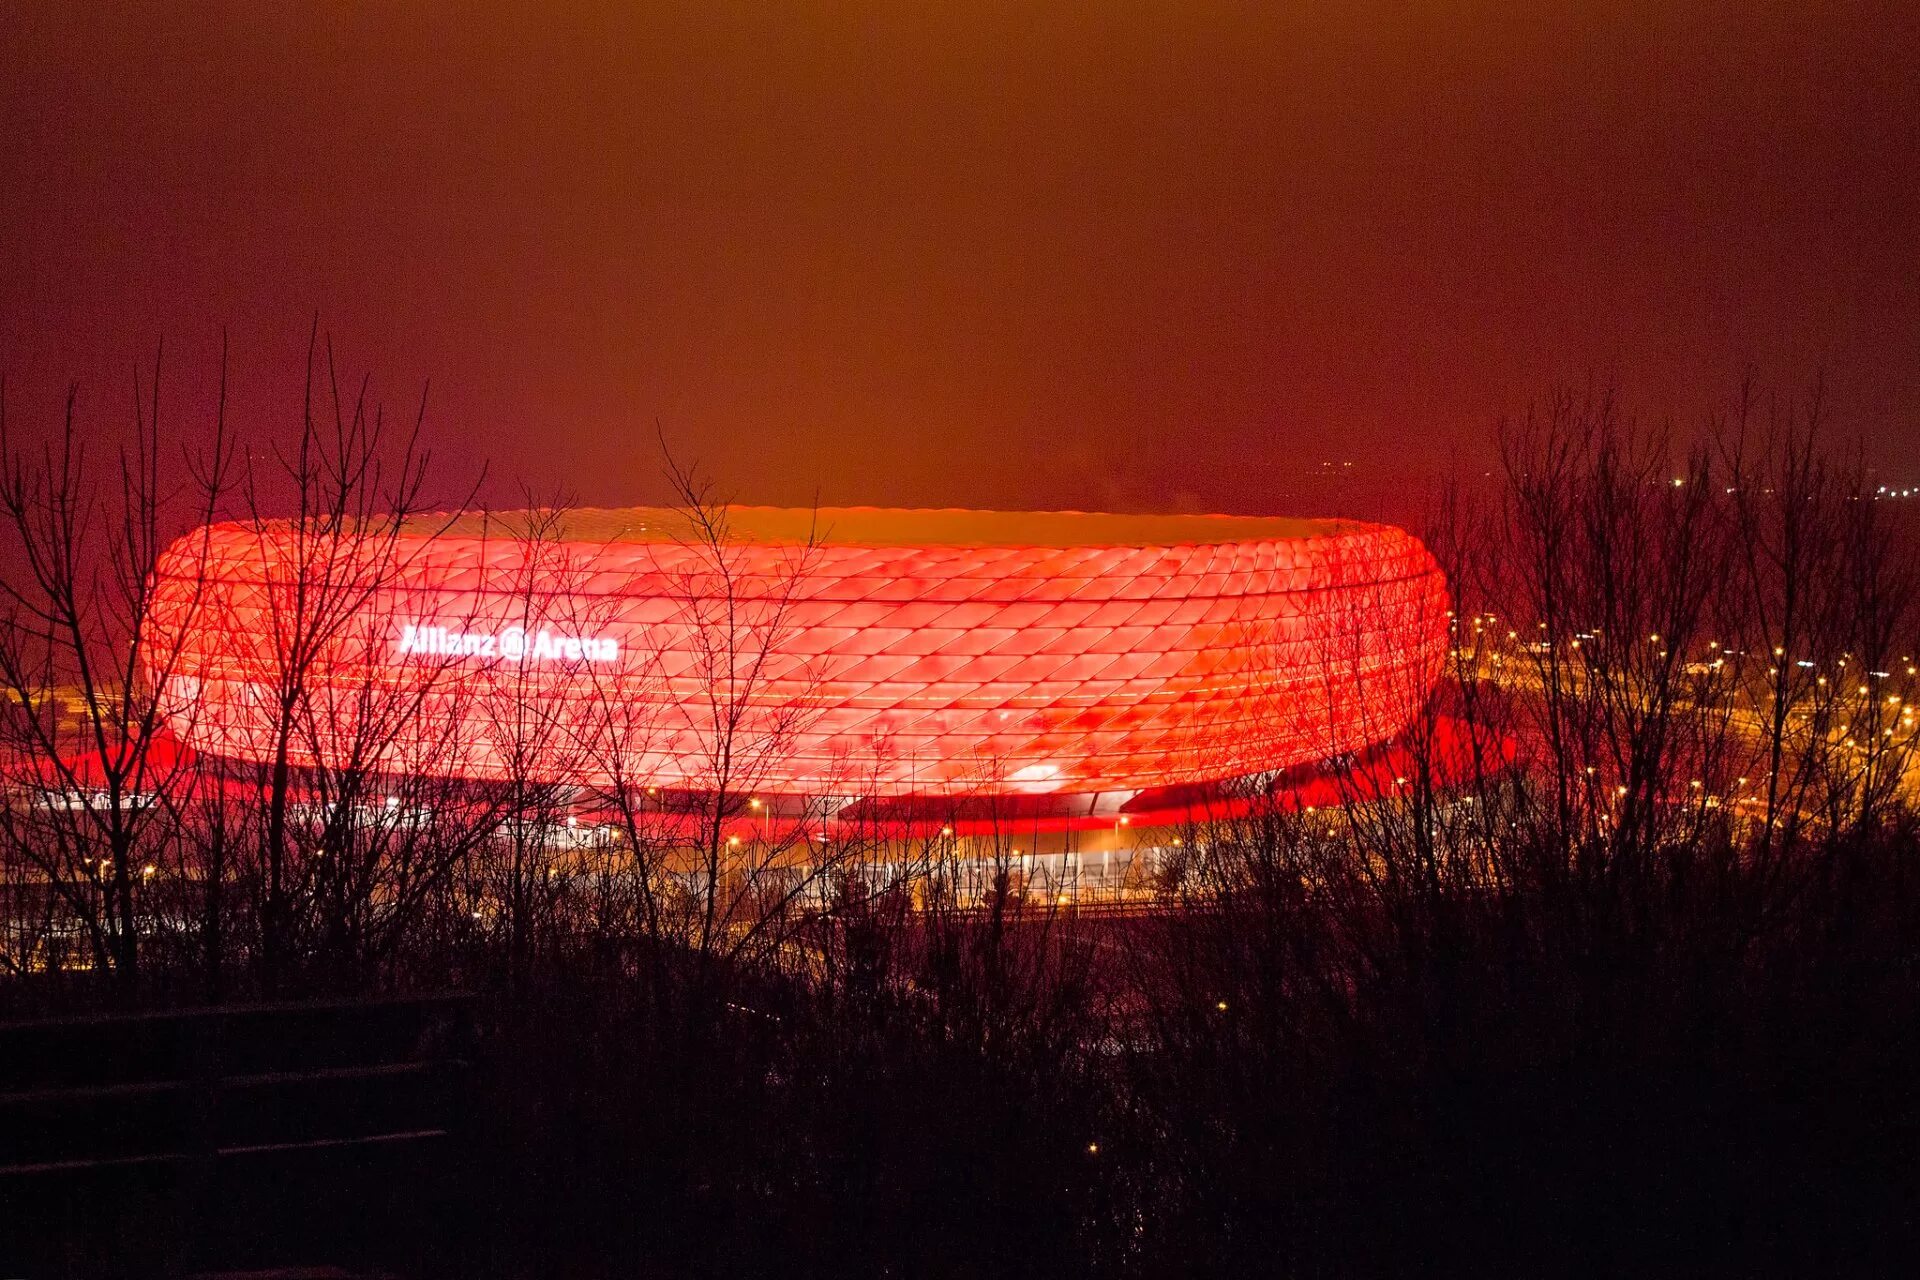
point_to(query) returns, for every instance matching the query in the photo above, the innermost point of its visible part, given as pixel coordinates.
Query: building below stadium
(874, 655)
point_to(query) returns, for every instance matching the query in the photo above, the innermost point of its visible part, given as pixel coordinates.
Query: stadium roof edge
(892, 526)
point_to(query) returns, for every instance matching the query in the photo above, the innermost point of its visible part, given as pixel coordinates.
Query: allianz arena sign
(513, 644)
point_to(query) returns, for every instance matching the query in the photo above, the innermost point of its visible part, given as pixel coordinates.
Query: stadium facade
(853, 651)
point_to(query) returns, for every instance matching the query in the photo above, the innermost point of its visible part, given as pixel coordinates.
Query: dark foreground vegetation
(1645, 999)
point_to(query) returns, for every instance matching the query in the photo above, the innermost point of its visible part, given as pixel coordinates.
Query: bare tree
(699, 725)
(87, 767)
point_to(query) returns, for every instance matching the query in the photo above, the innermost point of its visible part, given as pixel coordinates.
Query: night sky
(1126, 256)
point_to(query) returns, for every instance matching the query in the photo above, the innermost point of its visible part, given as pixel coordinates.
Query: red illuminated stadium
(851, 651)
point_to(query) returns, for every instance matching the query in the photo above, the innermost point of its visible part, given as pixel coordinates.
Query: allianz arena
(852, 651)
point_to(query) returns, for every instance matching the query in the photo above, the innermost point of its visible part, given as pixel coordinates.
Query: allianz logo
(513, 644)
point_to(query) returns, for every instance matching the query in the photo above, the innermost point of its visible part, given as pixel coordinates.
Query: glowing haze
(1129, 256)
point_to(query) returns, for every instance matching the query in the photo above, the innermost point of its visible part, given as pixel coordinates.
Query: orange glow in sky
(1116, 256)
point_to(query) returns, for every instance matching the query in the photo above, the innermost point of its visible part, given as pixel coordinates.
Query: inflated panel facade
(836, 668)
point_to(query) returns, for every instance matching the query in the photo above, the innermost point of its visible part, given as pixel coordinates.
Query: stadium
(1079, 662)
